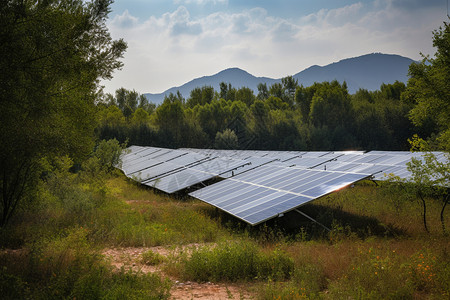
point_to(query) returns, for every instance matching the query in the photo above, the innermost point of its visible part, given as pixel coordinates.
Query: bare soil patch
(131, 258)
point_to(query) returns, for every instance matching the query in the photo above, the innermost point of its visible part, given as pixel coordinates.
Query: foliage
(430, 177)
(235, 261)
(284, 116)
(67, 266)
(226, 140)
(429, 89)
(64, 239)
(53, 54)
(152, 258)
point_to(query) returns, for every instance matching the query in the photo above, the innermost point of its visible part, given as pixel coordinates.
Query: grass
(377, 248)
(232, 261)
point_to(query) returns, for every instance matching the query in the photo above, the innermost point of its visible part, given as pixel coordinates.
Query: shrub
(68, 267)
(374, 275)
(152, 258)
(235, 261)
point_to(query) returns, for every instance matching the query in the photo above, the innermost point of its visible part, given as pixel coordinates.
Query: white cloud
(201, 2)
(176, 47)
(125, 20)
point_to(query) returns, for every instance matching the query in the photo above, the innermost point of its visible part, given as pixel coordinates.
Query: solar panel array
(174, 170)
(267, 191)
(260, 185)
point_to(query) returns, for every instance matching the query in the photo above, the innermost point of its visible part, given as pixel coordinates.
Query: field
(112, 239)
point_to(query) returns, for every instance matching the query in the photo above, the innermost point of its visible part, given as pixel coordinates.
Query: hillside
(366, 71)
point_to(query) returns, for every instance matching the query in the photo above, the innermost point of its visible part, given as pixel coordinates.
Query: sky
(171, 42)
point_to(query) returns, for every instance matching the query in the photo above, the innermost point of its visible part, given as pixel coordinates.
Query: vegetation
(62, 202)
(323, 116)
(53, 54)
(377, 247)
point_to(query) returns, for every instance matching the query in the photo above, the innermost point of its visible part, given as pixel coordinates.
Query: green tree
(330, 105)
(227, 92)
(128, 101)
(429, 88)
(226, 140)
(111, 116)
(171, 121)
(245, 95)
(263, 92)
(200, 96)
(140, 117)
(430, 177)
(52, 55)
(289, 86)
(276, 90)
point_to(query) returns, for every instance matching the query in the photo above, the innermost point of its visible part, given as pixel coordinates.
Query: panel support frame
(312, 219)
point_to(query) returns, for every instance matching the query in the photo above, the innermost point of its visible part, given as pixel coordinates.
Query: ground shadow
(294, 225)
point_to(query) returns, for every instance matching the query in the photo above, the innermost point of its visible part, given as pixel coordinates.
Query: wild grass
(377, 247)
(152, 258)
(231, 261)
(68, 266)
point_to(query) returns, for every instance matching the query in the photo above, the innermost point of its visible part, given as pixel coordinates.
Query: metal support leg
(305, 215)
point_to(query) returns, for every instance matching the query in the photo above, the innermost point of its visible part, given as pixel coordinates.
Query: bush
(68, 267)
(152, 258)
(374, 275)
(235, 261)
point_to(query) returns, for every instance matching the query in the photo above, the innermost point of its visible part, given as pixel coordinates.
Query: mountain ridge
(367, 71)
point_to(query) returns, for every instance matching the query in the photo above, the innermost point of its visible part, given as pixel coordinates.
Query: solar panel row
(261, 184)
(174, 170)
(267, 191)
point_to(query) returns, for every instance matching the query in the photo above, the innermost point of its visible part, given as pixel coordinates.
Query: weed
(234, 261)
(152, 258)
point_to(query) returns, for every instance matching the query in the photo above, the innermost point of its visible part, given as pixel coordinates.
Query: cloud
(417, 4)
(171, 49)
(125, 20)
(201, 2)
(180, 23)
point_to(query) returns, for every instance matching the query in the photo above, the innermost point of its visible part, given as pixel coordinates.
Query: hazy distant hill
(367, 71)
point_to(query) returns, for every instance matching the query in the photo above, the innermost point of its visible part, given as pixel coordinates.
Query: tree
(127, 101)
(111, 116)
(226, 140)
(52, 55)
(289, 86)
(245, 95)
(276, 90)
(263, 92)
(201, 96)
(171, 121)
(227, 92)
(330, 105)
(430, 177)
(140, 117)
(429, 88)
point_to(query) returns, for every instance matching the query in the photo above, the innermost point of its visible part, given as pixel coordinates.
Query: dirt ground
(132, 258)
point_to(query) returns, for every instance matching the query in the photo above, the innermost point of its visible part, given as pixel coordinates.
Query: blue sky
(171, 42)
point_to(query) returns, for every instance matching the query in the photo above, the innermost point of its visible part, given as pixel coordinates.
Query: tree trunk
(442, 213)
(424, 212)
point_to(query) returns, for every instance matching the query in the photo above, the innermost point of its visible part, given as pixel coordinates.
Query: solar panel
(258, 177)
(254, 162)
(133, 155)
(267, 191)
(139, 165)
(174, 165)
(194, 174)
(178, 181)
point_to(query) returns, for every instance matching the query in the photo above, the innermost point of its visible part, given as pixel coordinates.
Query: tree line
(283, 116)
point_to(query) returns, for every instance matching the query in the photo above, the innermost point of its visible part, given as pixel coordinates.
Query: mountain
(237, 77)
(366, 71)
